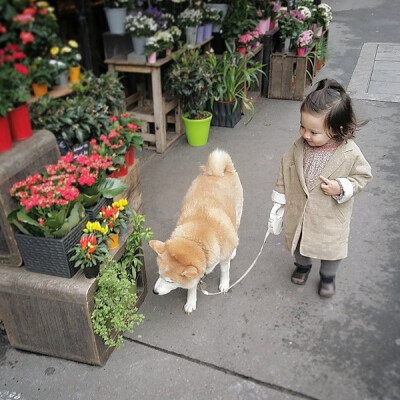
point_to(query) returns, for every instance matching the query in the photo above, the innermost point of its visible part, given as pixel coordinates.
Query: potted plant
(241, 17)
(304, 41)
(232, 73)
(212, 16)
(89, 253)
(264, 13)
(43, 75)
(291, 23)
(115, 11)
(190, 79)
(140, 26)
(190, 19)
(115, 298)
(15, 81)
(128, 127)
(115, 217)
(320, 52)
(70, 56)
(322, 16)
(159, 42)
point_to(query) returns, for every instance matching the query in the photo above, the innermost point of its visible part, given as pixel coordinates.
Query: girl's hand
(330, 188)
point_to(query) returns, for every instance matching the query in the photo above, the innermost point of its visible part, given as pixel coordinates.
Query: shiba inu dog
(206, 233)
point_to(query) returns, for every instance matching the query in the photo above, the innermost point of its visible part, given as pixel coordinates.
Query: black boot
(300, 274)
(326, 286)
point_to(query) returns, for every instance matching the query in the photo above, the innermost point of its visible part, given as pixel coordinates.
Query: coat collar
(332, 165)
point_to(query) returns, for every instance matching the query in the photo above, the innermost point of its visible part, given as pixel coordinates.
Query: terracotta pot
(5, 134)
(20, 123)
(40, 89)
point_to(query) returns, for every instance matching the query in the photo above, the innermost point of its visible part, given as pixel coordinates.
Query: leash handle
(247, 271)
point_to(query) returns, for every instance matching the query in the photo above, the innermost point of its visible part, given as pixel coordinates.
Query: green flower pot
(197, 130)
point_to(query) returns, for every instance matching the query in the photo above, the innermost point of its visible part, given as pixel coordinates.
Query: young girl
(318, 179)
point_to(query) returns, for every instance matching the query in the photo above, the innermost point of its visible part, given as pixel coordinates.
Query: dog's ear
(157, 246)
(190, 272)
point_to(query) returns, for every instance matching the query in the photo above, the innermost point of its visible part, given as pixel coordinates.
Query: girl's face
(312, 129)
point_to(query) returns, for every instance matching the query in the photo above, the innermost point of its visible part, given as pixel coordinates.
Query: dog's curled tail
(218, 163)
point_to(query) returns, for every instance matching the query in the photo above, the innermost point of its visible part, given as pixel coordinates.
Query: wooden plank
(300, 78)
(286, 79)
(159, 111)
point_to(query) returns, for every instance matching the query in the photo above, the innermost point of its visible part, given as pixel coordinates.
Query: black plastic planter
(223, 114)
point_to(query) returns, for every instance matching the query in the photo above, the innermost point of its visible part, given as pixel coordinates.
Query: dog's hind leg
(224, 281)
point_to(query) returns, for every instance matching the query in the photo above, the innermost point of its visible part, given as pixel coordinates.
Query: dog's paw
(224, 287)
(189, 307)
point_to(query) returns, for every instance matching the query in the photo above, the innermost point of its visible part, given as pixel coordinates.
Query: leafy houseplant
(190, 78)
(232, 73)
(114, 300)
(291, 23)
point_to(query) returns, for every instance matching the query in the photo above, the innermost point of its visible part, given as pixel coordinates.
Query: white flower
(191, 17)
(305, 11)
(140, 24)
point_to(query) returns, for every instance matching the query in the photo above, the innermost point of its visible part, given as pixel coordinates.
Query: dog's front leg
(224, 282)
(191, 300)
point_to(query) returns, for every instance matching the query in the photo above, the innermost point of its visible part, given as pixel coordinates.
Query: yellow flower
(54, 50)
(66, 49)
(42, 4)
(95, 226)
(73, 44)
(121, 204)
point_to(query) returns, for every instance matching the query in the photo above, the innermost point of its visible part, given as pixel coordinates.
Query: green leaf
(111, 187)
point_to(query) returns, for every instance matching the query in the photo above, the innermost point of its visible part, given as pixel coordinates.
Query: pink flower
(22, 69)
(26, 37)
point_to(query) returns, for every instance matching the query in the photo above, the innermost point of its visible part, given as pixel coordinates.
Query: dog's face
(181, 264)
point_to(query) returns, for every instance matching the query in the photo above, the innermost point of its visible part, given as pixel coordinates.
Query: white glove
(275, 222)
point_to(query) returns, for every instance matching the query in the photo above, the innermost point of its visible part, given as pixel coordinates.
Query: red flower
(18, 55)
(26, 37)
(113, 118)
(22, 69)
(23, 19)
(12, 47)
(3, 29)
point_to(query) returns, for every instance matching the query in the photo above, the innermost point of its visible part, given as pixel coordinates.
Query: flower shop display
(116, 11)
(190, 79)
(247, 41)
(221, 6)
(275, 9)
(140, 26)
(304, 41)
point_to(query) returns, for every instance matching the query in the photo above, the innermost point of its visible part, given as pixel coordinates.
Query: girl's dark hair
(331, 99)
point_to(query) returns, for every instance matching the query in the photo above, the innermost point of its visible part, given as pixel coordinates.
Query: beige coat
(322, 223)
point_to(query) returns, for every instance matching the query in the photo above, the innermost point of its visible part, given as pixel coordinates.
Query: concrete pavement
(267, 338)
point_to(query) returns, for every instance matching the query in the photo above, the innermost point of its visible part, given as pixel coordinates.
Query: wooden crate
(271, 41)
(290, 75)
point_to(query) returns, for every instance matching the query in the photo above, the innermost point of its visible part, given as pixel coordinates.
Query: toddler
(318, 179)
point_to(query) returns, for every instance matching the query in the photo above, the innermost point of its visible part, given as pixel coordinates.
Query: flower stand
(63, 306)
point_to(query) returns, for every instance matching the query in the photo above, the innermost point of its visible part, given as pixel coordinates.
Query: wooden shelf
(56, 92)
